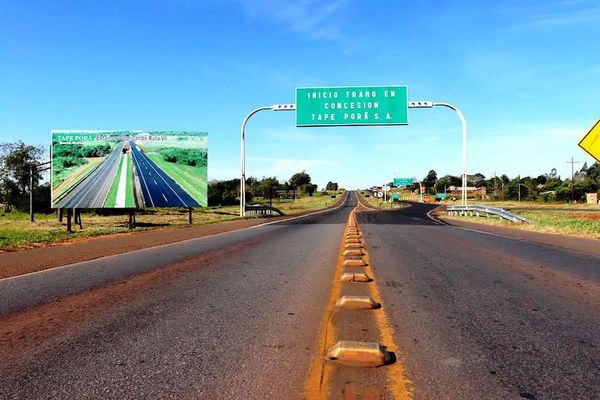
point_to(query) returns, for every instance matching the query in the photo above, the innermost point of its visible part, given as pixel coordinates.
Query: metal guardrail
(478, 210)
(259, 209)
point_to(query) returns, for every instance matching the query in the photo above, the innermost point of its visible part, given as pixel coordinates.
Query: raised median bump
(353, 253)
(352, 240)
(353, 246)
(359, 354)
(354, 262)
(355, 277)
(357, 303)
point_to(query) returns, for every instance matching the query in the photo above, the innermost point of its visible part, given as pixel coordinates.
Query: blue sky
(525, 74)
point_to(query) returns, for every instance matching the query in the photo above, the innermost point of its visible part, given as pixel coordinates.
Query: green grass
(378, 202)
(129, 197)
(304, 203)
(576, 223)
(16, 232)
(111, 198)
(191, 179)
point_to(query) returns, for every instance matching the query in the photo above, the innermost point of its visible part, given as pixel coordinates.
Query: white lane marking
(173, 244)
(156, 183)
(150, 163)
(137, 163)
(115, 154)
(417, 219)
(165, 197)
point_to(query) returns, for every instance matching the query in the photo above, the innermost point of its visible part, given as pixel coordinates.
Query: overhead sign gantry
(351, 106)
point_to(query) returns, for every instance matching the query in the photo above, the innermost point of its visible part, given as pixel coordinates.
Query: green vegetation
(546, 188)
(66, 158)
(576, 223)
(191, 179)
(191, 157)
(16, 232)
(129, 196)
(111, 198)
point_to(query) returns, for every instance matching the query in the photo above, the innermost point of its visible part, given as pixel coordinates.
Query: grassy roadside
(16, 232)
(585, 224)
(72, 178)
(378, 203)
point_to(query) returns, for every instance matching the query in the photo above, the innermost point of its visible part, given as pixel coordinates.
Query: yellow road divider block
(353, 236)
(354, 262)
(352, 246)
(357, 302)
(353, 240)
(355, 277)
(359, 354)
(352, 253)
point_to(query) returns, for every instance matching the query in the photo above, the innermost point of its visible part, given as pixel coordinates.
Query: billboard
(129, 169)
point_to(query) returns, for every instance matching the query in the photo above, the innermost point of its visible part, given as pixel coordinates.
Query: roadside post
(430, 104)
(420, 190)
(34, 168)
(275, 107)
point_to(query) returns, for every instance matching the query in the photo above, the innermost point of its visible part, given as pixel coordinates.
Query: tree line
(226, 192)
(546, 187)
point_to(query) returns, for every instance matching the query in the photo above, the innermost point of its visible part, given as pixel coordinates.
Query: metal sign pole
(430, 104)
(275, 107)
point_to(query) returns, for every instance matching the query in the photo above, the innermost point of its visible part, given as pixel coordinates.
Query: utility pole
(572, 162)
(37, 168)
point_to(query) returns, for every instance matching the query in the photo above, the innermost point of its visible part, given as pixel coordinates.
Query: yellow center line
(318, 382)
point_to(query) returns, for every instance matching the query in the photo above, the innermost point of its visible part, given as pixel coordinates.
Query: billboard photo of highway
(129, 169)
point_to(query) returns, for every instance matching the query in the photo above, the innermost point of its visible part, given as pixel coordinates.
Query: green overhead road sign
(403, 181)
(352, 105)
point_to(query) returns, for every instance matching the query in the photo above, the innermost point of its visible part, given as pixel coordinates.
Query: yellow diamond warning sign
(591, 141)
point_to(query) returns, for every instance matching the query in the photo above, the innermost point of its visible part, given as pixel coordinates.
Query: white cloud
(312, 19)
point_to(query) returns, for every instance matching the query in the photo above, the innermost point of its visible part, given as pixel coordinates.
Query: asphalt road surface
(237, 315)
(158, 188)
(91, 192)
(484, 317)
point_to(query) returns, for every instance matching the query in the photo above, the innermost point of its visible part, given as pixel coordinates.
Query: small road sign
(352, 105)
(591, 142)
(403, 181)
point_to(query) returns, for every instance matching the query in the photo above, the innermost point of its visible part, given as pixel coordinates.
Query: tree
(299, 179)
(16, 159)
(331, 186)
(430, 180)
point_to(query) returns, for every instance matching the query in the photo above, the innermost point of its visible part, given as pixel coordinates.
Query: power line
(572, 162)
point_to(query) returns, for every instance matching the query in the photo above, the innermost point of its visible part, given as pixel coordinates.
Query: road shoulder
(574, 243)
(64, 253)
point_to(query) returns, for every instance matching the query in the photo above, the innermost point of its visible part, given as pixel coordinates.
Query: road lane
(239, 320)
(483, 317)
(91, 192)
(158, 188)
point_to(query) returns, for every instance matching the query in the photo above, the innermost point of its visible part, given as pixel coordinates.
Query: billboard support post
(190, 215)
(69, 217)
(31, 193)
(275, 107)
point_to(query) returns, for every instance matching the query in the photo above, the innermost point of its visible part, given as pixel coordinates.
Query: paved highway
(158, 188)
(91, 192)
(239, 315)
